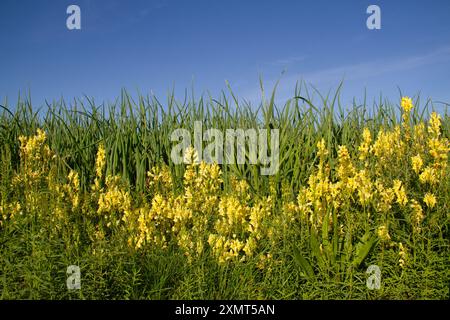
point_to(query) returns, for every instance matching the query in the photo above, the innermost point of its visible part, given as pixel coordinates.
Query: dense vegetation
(95, 186)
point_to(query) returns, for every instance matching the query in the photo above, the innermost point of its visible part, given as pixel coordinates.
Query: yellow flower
(419, 131)
(416, 163)
(345, 168)
(73, 188)
(241, 188)
(322, 151)
(387, 196)
(407, 104)
(434, 125)
(232, 213)
(430, 200)
(403, 253)
(429, 175)
(418, 215)
(35, 157)
(100, 161)
(250, 246)
(73, 178)
(438, 150)
(160, 179)
(114, 199)
(383, 233)
(365, 145)
(400, 193)
(388, 145)
(364, 187)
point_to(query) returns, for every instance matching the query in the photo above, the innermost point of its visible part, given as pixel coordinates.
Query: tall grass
(136, 135)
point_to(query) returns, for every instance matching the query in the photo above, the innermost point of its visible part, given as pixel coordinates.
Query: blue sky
(155, 45)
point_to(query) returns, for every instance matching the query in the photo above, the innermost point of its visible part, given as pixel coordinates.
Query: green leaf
(315, 249)
(303, 263)
(363, 248)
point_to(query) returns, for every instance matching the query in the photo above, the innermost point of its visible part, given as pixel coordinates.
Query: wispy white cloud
(150, 7)
(370, 69)
(351, 72)
(288, 61)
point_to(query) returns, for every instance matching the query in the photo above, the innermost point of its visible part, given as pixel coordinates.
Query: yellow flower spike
(407, 104)
(416, 163)
(100, 161)
(434, 125)
(250, 246)
(439, 150)
(419, 131)
(418, 215)
(383, 233)
(364, 148)
(430, 200)
(345, 168)
(429, 175)
(321, 146)
(387, 196)
(160, 179)
(400, 193)
(403, 253)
